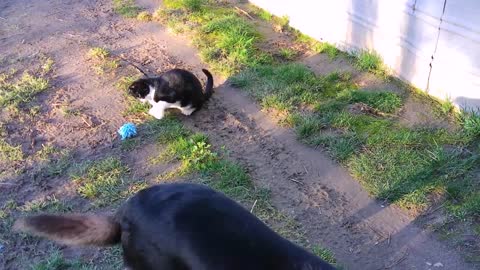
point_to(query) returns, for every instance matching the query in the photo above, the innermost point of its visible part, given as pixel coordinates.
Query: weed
(226, 41)
(262, 13)
(126, 8)
(46, 204)
(400, 164)
(288, 54)
(125, 82)
(316, 46)
(46, 151)
(325, 254)
(58, 166)
(447, 106)
(328, 49)
(144, 16)
(47, 65)
(13, 94)
(387, 102)
(9, 152)
(101, 181)
(188, 5)
(56, 261)
(471, 123)
(101, 60)
(369, 61)
(98, 53)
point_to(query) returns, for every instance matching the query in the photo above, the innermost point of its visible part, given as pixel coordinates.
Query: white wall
(436, 49)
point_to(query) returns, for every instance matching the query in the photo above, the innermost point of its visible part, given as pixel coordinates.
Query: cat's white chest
(158, 108)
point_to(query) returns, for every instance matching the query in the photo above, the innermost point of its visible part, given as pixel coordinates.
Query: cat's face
(139, 89)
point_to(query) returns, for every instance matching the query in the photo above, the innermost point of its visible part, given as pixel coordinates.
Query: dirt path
(331, 206)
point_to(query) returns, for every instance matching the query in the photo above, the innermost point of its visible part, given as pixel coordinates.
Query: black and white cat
(176, 88)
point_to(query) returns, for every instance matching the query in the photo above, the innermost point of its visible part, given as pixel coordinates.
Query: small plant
(101, 181)
(369, 61)
(56, 261)
(126, 8)
(98, 53)
(471, 123)
(324, 254)
(9, 152)
(102, 62)
(46, 151)
(447, 106)
(14, 94)
(327, 48)
(47, 65)
(287, 53)
(47, 204)
(280, 23)
(144, 16)
(189, 5)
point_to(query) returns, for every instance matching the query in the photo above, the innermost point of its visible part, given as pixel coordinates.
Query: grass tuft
(404, 165)
(369, 61)
(10, 153)
(188, 5)
(471, 123)
(227, 41)
(126, 8)
(144, 16)
(15, 93)
(102, 62)
(101, 181)
(196, 156)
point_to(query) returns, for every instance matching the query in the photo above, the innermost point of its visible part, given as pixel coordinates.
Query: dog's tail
(77, 230)
(209, 86)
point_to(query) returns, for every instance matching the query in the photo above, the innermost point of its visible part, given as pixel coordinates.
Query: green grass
(98, 53)
(227, 41)
(144, 16)
(325, 254)
(10, 153)
(126, 8)
(47, 65)
(102, 60)
(387, 102)
(54, 262)
(101, 181)
(195, 156)
(471, 123)
(45, 204)
(14, 93)
(187, 5)
(408, 166)
(288, 54)
(369, 61)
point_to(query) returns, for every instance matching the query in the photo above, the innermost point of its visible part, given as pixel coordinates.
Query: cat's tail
(73, 229)
(209, 86)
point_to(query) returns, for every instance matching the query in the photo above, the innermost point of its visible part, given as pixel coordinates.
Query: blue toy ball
(128, 130)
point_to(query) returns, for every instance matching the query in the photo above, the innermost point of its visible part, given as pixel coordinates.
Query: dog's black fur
(181, 227)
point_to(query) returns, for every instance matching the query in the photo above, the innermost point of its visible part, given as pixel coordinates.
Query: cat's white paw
(156, 113)
(187, 111)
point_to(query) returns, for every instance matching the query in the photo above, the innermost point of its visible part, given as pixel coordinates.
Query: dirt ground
(331, 207)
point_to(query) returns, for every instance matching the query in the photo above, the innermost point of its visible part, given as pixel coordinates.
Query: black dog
(180, 227)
